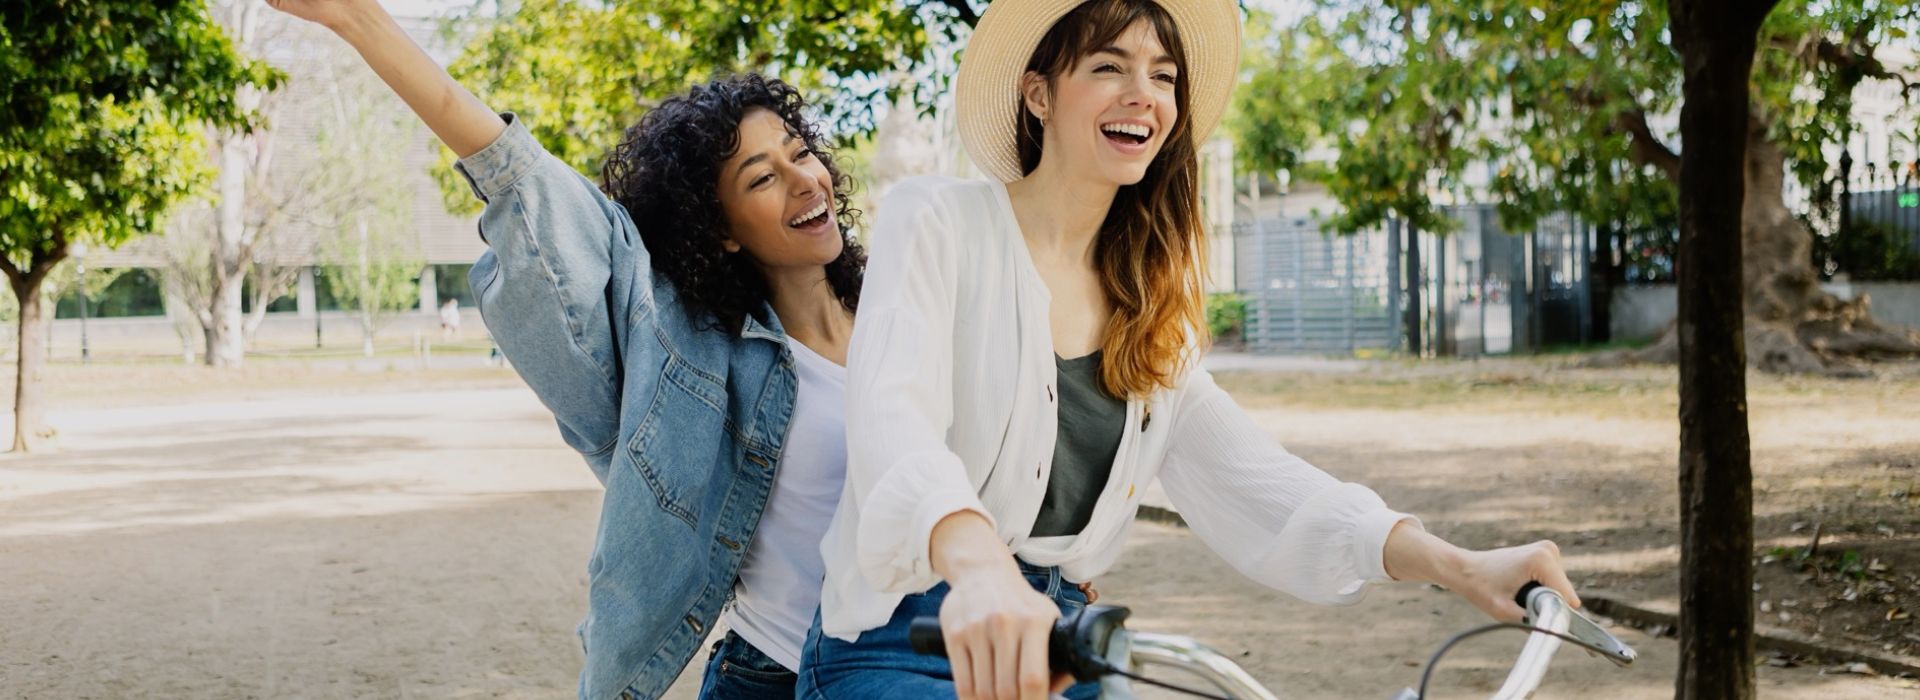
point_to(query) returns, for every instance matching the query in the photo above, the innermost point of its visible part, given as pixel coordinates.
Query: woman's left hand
(1490, 579)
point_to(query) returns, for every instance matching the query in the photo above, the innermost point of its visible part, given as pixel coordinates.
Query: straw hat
(987, 91)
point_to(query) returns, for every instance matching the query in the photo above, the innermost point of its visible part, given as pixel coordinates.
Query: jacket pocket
(681, 438)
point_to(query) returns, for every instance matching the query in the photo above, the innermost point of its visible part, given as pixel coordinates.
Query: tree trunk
(1415, 346)
(1799, 327)
(30, 432)
(1716, 39)
(1792, 325)
(1604, 274)
(226, 339)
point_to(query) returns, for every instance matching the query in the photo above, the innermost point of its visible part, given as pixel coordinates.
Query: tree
(372, 259)
(277, 182)
(97, 102)
(373, 270)
(578, 74)
(1716, 40)
(1562, 104)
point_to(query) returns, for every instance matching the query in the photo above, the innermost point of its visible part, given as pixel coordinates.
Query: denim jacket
(682, 424)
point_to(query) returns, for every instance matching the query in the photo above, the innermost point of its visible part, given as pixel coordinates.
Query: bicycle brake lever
(1535, 599)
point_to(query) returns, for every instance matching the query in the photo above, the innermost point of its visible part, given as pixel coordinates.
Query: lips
(812, 217)
(1127, 132)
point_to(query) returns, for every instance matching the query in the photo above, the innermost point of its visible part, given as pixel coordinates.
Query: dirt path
(431, 543)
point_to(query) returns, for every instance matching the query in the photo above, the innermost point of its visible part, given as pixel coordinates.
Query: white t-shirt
(779, 586)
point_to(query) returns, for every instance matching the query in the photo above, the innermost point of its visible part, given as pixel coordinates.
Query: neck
(809, 311)
(1060, 211)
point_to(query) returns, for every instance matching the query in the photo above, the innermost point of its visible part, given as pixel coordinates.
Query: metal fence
(1310, 293)
(1477, 290)
(1875, 218)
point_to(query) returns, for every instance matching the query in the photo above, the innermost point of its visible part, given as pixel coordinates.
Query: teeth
(1139, 130)
(811, 214)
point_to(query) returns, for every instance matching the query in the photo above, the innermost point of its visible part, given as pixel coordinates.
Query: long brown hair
(1151, 246)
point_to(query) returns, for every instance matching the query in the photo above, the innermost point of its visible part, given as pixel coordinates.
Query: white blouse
(951, 406)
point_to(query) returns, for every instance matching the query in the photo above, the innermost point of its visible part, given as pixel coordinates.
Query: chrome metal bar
(1185, 653)
(1547, 611)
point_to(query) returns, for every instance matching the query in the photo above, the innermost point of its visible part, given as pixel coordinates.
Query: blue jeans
(882, 666)
(738, 671)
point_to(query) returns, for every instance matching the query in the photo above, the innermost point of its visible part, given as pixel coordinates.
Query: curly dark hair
(666, 171)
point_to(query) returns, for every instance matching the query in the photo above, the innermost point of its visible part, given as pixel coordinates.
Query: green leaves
(1569, 106)
(101, 110)
(579, 73)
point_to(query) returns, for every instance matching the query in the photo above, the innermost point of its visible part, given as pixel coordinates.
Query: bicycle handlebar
(1080, 643)
(1077, 645)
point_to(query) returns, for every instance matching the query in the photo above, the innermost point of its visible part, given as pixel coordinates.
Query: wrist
(966, 549)
(365, 21)
(1413, 554)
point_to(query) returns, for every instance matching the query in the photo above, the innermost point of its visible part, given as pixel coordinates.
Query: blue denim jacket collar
(771, 330)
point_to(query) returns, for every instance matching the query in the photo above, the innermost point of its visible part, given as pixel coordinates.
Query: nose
(804, 184)
(1140, 93)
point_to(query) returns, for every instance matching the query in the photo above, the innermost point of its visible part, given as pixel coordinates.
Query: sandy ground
(429, 541)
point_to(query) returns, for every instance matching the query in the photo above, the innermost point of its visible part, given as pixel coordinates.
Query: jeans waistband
(1050, 573)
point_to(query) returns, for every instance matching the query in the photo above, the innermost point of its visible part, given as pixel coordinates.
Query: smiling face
(778, 197)
(1109, 113)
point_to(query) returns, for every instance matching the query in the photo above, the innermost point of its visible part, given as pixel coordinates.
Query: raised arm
(564, 272)
(461, 121)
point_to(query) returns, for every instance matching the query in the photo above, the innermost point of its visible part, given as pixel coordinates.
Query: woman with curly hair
(695, 359)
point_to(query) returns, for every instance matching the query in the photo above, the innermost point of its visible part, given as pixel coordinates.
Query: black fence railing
(1870, 228)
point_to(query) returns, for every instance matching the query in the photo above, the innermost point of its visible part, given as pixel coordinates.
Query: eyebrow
(758, 157)
(1123, 54)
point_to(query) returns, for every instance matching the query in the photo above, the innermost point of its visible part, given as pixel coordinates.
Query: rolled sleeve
(496, 168)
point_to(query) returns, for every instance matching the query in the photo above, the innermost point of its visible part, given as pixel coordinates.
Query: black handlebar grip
(924, 635)
(1521, 597)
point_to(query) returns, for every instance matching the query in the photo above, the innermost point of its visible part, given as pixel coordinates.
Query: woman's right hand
(996, 628)
(459, 119)
(994, 624)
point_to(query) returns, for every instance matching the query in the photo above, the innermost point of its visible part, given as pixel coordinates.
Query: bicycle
(1095, 645)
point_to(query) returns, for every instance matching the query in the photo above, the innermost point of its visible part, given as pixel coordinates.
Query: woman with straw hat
(1024, 367)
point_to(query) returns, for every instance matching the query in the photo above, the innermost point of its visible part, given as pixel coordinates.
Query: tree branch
(1644, 147)
(1853, 59)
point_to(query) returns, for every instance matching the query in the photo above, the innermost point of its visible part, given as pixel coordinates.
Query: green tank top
(1091, 424)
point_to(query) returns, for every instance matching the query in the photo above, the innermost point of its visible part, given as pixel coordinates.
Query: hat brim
(986, 92)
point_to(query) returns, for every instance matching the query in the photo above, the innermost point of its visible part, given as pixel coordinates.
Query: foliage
(1226, 315)
(100, 99)
(1871, 250)
(1543, 107)
(579, 73)
(371, 256)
